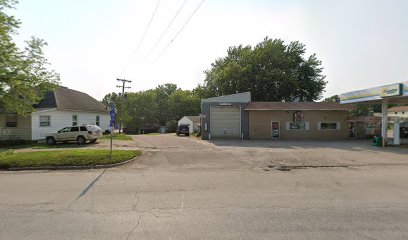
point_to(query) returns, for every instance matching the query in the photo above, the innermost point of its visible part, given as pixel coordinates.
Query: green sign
(391, 90)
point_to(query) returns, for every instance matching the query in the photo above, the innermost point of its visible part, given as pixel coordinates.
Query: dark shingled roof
(47, 102)
(259, 106)
(64, 98)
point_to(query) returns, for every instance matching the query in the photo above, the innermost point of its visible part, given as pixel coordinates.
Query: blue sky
(361, 43)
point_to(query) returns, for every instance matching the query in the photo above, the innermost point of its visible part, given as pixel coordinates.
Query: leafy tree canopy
(162, 106)
(332, 99)
(271, 71)
(24, 76)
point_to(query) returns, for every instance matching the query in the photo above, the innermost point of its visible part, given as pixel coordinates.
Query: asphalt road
(182, 188)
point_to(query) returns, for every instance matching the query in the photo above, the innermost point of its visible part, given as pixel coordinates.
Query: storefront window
(329, 126)
(297, 126)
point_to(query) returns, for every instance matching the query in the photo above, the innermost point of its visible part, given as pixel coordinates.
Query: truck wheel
(50, 141)
(81, 140)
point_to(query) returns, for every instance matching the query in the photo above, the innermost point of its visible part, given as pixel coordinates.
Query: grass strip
(10, 159)
(117, 136)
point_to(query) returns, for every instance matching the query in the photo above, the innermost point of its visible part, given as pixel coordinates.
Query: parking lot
(185, 188)
(261, 154)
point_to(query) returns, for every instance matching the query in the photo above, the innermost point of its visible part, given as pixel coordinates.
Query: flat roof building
(235, 116)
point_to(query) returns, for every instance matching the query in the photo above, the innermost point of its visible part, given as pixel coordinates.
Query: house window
(328, 126)
(297, 126)
(74, 120)
(97, 120)
(11, 121)
(45, 121)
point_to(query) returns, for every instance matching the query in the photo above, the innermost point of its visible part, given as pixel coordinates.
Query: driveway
(184, 188)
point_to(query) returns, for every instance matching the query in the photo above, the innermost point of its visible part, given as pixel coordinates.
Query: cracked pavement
(183, 188)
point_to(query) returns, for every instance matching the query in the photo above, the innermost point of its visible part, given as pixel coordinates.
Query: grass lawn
(117, 136)
(75, 157)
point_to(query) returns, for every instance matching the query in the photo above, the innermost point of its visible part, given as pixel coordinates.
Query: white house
(401, 112)
(59, 108)
(192, 121)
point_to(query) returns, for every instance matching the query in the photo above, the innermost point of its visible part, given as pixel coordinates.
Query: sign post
(112, 127)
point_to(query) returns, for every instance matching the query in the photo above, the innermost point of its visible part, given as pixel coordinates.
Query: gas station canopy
(394, 93)
(384, 95)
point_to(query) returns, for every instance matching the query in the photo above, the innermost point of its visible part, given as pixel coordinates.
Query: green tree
(182, 103)
(162, 94)
(162, 106)
(271, 71)
(24, 74)
(140, 109)
(332, 99)
(203, 92)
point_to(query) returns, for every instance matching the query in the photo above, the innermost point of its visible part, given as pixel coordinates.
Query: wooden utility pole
(124, 81)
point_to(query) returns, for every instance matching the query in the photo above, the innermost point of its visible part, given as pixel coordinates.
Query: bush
(14, 142)
(171, 126)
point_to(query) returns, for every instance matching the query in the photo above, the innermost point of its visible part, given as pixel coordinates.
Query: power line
(181, 29)
(165, 31)
(141, 39)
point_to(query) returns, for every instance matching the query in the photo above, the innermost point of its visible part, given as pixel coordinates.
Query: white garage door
(225, 122)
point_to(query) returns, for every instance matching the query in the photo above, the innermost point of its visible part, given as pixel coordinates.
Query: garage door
(225, 122)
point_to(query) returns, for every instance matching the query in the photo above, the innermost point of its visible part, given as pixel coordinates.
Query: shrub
(14, 142)
(171, 126)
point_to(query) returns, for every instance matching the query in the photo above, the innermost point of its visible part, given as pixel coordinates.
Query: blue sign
(112, 123)
(112, 112)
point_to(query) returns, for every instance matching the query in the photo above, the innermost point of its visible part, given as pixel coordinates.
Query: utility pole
(124, 81)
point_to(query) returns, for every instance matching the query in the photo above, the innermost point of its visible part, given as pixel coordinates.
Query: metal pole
(111, 139)
(124, 81)
(121, 107)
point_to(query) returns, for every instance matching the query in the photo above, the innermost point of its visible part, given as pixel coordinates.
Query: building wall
(22, 131)
(196, 126)
(61, 119)
(403, 114)
(260, 124)
(206, 123)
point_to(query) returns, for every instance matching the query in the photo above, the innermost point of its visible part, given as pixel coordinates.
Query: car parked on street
(183, 129)
(80, 134)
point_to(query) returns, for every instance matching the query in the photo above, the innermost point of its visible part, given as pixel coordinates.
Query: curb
(70, 167)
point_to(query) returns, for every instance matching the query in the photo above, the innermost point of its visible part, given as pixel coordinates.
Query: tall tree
(332, 99)
(140, 109)
(162, 94)
(156, 107)
(183, 103)
(24, 76)
(271, 71)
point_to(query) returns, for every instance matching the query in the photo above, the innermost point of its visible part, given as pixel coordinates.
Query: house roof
(274, 106)
(398, 109)
(64, 98)
(193, 118)
(238, 97)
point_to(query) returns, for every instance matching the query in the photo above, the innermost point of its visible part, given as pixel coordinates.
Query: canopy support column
(384, 122)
